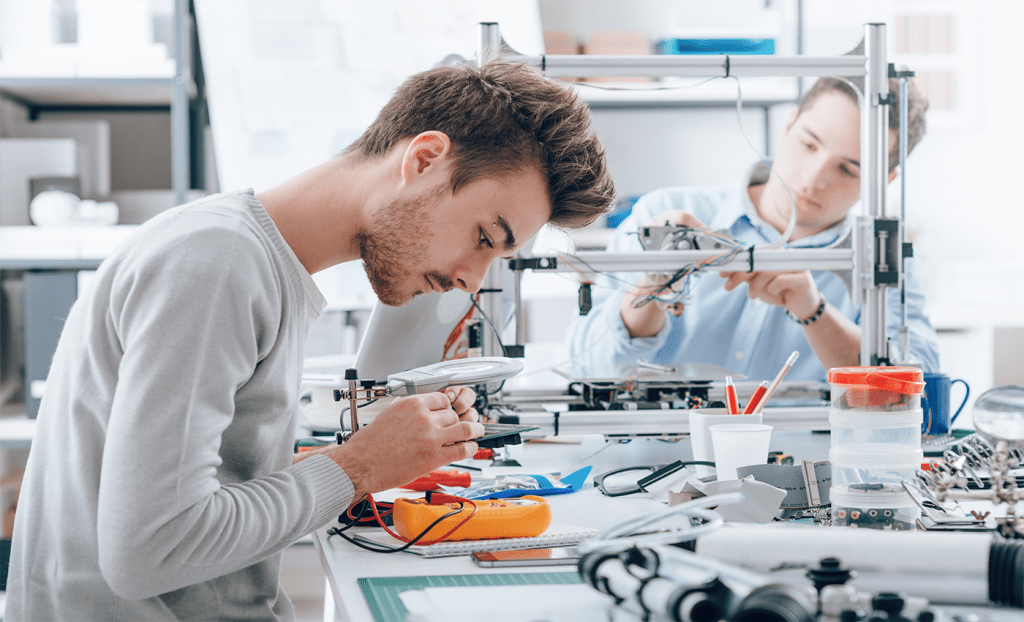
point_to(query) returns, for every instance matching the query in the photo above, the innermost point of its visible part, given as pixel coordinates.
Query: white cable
(628, 533)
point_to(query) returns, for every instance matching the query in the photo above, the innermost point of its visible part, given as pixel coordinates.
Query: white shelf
(57, 247)
(16, 431)
(108, 92)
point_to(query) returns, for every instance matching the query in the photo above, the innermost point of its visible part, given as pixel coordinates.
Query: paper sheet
(552, 603)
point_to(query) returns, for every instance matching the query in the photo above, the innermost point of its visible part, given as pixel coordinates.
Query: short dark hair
(501, 118)
(917, 104)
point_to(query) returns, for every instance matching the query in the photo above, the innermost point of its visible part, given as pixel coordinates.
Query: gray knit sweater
(160, 483)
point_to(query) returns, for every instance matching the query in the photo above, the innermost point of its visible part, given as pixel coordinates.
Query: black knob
(367, 384)
(351, 374)
(891, 604)
(829, 572)
(848, 615)
(926, 616)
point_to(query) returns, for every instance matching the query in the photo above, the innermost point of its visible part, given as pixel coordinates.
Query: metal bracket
(888, 262)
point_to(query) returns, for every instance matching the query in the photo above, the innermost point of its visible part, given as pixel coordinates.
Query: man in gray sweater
(161, 483)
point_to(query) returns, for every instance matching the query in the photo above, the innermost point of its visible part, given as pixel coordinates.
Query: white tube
(942, 567)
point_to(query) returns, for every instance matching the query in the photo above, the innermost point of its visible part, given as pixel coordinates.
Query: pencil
(755, 399)
(778, 380)
(730, 397)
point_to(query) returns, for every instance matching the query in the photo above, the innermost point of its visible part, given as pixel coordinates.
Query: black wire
(334, 531)
(497, 335)
(341, 416)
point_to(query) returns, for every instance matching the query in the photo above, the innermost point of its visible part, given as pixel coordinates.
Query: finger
(435, 401)
(462, 398)
(460, 431)
(735, 279)
(459, 451)
(469, 415)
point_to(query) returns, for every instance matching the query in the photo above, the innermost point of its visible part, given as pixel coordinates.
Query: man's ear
(424, 155)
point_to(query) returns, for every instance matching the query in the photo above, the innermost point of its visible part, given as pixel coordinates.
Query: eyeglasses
(631, 480)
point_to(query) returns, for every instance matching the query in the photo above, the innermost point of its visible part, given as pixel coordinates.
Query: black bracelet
(814, 316)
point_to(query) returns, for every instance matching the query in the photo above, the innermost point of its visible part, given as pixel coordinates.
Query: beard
(394, 250)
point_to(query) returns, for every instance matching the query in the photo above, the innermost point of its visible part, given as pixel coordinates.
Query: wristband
(814, 316)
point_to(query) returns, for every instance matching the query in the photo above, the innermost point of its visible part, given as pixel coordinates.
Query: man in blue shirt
(753, 334)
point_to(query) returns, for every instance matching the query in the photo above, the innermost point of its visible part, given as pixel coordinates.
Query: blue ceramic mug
(935, 403)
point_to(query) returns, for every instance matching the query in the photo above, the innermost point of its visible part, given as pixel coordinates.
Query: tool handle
(435, 479)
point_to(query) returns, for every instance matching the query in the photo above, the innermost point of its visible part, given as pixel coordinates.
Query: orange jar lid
(877, 386)
(904, 379)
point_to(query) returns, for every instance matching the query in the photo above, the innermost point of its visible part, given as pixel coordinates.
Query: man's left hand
(796, 291)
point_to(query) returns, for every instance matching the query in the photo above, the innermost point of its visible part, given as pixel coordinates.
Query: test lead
(755, 399)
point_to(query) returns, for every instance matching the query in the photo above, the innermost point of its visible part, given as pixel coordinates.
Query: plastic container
(876, 389)
(871, 464)
(876, 422)
(854, 428)
(877, 507)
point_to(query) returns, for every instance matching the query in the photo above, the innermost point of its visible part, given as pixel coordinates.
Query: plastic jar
(875, 421)
(872, 465)
(876, 389)
(874, 509)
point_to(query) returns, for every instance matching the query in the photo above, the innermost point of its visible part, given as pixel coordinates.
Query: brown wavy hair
(917, 105)
(502, 118)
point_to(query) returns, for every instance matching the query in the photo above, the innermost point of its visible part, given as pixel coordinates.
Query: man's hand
(647, 320)
(796, 291)
(412, 436)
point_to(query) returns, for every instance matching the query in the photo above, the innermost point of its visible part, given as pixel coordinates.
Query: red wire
(453, 336)
(421, 542)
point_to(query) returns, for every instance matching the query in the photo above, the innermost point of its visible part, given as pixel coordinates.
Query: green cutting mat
(381, 593)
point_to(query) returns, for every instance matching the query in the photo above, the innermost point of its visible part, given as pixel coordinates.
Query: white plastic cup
(700, 436)
(739, 444)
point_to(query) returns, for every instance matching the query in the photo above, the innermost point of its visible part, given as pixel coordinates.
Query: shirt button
(739, 355)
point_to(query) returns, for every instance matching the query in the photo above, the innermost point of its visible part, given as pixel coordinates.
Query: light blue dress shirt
(749, 337)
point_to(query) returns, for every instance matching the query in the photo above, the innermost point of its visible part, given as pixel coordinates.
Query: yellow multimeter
(518, 517)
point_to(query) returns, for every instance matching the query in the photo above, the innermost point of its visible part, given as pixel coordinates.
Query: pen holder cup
(700, 436)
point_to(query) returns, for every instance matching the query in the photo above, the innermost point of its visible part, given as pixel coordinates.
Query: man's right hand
(412, 436)
(647, 320)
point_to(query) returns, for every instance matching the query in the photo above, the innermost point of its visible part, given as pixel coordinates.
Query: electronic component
(520, 517)
(501, 434)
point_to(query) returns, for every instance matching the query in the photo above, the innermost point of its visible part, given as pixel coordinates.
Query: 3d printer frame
(873, 258)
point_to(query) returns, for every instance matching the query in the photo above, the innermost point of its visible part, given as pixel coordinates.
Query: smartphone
(561, 556)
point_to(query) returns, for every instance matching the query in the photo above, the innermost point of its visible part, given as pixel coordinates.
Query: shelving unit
(30, 251)
(180, 95)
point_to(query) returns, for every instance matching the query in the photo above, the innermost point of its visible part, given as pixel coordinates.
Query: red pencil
(756, 398)
(730, 397)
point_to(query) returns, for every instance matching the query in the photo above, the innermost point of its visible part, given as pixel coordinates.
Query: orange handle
(434, 479)
(888, 383)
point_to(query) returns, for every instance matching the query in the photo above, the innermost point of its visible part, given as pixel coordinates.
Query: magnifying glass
(430, 378)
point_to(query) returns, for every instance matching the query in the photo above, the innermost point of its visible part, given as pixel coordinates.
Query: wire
(341, 415)
(453, 337)
(497, 335)
(335, 531)
(771, 171)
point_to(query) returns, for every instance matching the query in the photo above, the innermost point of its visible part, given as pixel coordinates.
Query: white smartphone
(561, 556)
